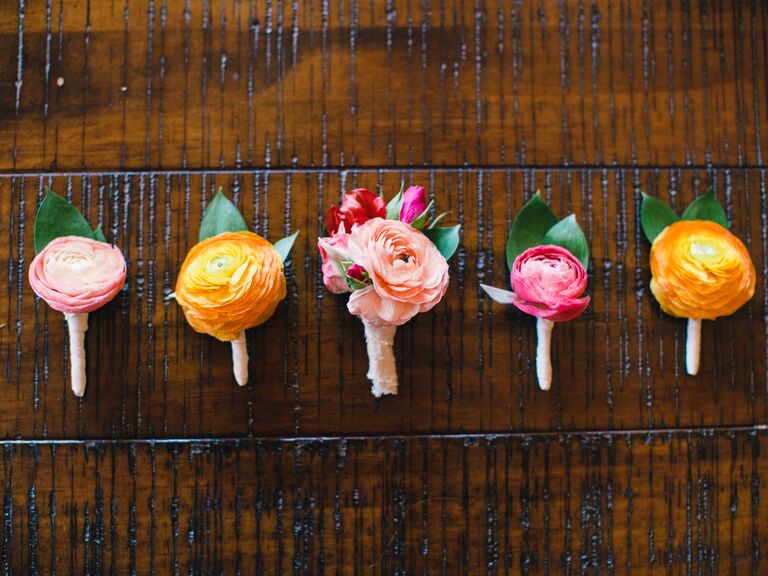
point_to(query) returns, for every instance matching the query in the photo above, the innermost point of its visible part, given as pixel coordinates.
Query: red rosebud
(363, 205)
(334, 219)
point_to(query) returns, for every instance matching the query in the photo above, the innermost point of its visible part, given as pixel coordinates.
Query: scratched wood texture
(138, 110)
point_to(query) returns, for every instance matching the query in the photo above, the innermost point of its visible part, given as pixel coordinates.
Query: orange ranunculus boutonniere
(700, 270)
(231, 280)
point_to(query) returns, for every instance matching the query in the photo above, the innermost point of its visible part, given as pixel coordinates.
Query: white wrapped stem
(382, 370)
(240, 359)
(77, 325)
(693, 346)
(543, 356)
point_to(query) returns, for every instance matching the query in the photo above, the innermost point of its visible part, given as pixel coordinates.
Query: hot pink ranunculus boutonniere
(548, 275)
(393, 260)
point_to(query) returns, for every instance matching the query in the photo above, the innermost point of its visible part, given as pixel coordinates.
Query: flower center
(219, 264)
(705, 252)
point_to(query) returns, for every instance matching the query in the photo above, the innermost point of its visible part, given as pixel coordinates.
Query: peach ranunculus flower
(407, 273)
(229, 283)
(700, 270)
(77, 275)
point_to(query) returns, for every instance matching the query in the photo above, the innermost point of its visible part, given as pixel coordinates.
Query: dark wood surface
(138, 110)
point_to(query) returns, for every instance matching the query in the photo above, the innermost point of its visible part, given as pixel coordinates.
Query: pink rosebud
(408, 274)
(333, 250)
(356, 273)
(77, 275)
(414, 203)
(547, 282)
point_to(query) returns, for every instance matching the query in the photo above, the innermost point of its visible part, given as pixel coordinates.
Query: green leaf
(56, 217)
(655, 215)
(529, 227)
(284, 245)
(421, 220)
(221, 216)
(446, 240)
(568, 234)
(98, 234)
(394, 206)
(437, 220)
(706, 207)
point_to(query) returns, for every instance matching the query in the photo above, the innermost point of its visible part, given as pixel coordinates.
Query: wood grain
(467, 366)
(137, 110)
(172, 84)
(677, 503)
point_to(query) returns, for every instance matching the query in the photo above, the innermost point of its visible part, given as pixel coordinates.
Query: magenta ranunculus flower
(547, 282)
(414, 203)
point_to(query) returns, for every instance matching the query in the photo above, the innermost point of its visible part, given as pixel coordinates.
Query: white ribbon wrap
(693, 346)
(543, 356)
(382, 370)
(240, 359)
(77, 325)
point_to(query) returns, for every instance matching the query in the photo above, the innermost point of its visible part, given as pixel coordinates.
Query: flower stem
(543, 345)
(382, 370)
(693, 346)
(240, 359)
(77, 324)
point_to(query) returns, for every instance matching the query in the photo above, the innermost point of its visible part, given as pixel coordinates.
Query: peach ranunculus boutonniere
(231, 280)
(393, 260)
(75, 271)
(700, 271)
(548, 273)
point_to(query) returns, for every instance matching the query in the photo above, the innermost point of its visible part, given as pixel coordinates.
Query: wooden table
(138, 110)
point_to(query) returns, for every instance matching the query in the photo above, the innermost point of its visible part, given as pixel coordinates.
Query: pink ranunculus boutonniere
(548, 275)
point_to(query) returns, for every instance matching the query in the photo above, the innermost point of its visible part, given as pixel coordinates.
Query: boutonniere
(699, 270)
(393, 259)
(231, 280)
(547, 260)
(75, 271)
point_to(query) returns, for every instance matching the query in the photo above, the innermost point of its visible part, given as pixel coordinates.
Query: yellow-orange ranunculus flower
(230, 282)
(700, 270)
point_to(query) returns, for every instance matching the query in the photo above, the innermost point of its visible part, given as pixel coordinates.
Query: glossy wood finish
(667, 503)
(138, 110)
(467, 367)
(167, 83)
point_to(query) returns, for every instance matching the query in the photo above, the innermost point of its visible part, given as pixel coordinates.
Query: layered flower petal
(547, 282)
(229, 283)
(408, 274)
(74, 274)
(700, 270)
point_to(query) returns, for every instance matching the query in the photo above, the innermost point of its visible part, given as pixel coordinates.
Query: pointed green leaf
(394, 206)
(706, 207)
(221, 215)
(284, 245)
(56, 217)
(655, 215)
(98, 234)
(437, 219)
(568, 234)
(421, 220)
(446, 240)
(529, 227)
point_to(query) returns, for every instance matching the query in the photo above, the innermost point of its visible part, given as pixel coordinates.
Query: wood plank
(143, 83)
(661, 503)
(465, 367)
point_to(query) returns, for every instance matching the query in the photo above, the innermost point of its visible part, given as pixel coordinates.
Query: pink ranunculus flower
(414, 203)
(408, 274)
(333, 251)
(77, 275)
(547, 282)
